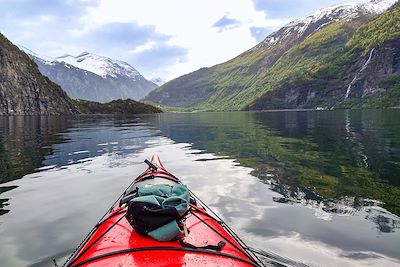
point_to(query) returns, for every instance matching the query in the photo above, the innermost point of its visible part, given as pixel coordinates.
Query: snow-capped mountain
(304, 27)
(102, 66)
(92, 77)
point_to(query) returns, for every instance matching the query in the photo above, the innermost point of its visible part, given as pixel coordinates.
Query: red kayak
(155, 223)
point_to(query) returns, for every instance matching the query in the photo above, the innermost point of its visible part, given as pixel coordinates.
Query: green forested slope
(329, 77)
(308, 73)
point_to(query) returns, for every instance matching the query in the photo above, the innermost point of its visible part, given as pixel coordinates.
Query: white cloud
(161, 38)
(189, 23)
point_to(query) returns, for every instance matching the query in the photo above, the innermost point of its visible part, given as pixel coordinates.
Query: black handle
(151, 165)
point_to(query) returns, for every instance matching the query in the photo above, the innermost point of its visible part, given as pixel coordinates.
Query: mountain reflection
(385, 222)
(327, 173)
(24, 142)
(30, 144)
(335, 162)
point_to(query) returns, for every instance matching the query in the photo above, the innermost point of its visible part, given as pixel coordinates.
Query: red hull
(115, 242)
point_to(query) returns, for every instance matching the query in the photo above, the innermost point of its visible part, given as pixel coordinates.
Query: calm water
(319, 187)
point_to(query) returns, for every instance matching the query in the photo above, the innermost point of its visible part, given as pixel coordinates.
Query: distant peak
(101, 65)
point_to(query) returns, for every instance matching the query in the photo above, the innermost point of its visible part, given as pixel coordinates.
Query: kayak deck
(121, 246)
(115, 243)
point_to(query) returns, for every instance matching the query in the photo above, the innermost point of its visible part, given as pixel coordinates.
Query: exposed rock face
(381, 62)
(23, 89)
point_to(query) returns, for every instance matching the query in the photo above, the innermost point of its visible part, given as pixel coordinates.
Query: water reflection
(326, 181)
(24, 141)
(325, 160)
(386, 222)
(30, 144)
(73, 168)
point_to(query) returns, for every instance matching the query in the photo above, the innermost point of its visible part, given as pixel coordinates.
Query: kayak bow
(206, 239)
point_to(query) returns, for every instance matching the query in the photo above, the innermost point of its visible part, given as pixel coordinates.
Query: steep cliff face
(23, 90)
(381, 62)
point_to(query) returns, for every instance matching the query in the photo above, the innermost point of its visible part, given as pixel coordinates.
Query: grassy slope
(297, 64)
(208, 88)
(212, 86)
(237, 83)
(332, 68)
(382, 28)
(323, 59)
(242, 80)
(304, 60)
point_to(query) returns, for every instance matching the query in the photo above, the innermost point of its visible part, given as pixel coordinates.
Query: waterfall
(361, 70)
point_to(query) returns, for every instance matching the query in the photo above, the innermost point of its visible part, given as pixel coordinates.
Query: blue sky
(161, 38)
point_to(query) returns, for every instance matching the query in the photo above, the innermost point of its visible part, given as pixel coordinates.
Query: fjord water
(321, 187)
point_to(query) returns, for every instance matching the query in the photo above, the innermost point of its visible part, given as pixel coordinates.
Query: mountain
(92, 77)
(363, 72)
(283, 62)
(24, 90)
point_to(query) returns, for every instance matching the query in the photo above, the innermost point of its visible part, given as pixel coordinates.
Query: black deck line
(124, 251)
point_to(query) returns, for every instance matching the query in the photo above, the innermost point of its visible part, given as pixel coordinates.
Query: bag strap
(217, 247)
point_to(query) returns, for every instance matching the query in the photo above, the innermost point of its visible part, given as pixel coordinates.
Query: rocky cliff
(24, 90)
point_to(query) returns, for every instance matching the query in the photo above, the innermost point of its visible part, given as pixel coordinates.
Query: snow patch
(102, 66)
(327, 16)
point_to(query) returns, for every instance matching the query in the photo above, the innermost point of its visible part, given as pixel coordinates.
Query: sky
(160, 38)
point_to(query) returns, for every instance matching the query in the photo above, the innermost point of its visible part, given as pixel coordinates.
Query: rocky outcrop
(24, 90)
